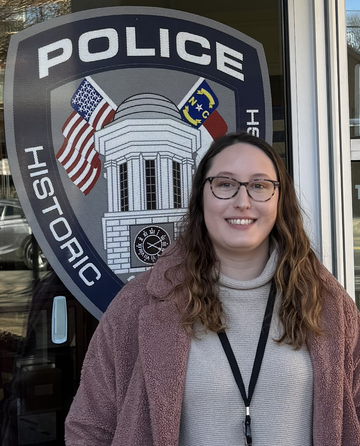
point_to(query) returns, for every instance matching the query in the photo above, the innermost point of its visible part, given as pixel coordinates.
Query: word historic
(59, 225)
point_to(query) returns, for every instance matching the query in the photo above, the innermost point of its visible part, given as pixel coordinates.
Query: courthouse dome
(146, 106)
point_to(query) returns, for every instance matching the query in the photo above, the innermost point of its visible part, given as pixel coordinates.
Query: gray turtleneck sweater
(281, 409)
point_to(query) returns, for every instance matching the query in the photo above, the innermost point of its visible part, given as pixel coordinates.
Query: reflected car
(15, 236)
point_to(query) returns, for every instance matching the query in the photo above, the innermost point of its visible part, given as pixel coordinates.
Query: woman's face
(240, 226)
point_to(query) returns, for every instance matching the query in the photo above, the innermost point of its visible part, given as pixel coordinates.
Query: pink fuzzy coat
(134, 372)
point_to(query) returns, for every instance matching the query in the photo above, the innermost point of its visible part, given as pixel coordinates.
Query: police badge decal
(107, 114)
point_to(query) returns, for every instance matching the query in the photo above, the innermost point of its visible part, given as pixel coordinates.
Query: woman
(156, 372)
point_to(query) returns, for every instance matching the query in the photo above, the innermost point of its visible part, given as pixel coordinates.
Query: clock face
(150, 242)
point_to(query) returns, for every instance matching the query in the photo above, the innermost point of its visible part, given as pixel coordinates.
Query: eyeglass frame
(245, 184)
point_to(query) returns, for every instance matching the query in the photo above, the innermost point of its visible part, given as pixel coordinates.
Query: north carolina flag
(198, 108)
(194, 103)
(93, 109)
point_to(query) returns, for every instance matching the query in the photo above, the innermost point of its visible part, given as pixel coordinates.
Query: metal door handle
(59, 320)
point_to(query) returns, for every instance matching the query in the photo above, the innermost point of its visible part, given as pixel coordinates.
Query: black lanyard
(257, 363)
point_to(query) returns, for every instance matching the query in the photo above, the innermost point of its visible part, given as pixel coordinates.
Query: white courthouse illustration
(149, 156)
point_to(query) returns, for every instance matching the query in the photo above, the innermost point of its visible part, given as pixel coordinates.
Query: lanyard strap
(257, 363)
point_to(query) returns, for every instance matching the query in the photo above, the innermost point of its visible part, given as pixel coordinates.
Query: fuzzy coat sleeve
(351, 390)
(336, 364)
(92, 419)
(353, 316)
(348, 330)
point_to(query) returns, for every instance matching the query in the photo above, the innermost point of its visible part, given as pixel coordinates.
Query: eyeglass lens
(260, 190)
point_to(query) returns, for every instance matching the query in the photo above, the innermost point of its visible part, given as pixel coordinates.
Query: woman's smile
(238, 221)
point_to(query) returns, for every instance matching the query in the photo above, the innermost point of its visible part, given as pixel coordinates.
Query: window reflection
(353, 46)
(38, 377)
(353, 43)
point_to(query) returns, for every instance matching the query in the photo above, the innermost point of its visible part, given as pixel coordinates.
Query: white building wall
(320, 129)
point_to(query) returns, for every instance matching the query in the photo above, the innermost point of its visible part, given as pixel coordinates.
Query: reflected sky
(352, 5)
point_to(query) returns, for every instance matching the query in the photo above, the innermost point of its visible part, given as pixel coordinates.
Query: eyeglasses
(225, 188)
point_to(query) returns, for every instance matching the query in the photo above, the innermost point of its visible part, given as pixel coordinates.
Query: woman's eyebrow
(232, 174)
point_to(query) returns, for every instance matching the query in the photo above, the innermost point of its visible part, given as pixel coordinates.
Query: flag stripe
(79, 170)
(62, 150)
(91, 181)
(89, 177)
(89, 150)
(72, 124)
(107, 113)
(67, 152)
(81, 166)
(78, 166)
(83, 129)
(74, 155)
(85, 150)
(71, 136)
(76, 131)
(98, 112)
(84, 173)
(109, 117)
(67, 122)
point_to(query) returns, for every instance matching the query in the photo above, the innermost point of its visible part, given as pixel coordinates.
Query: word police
(228, 60)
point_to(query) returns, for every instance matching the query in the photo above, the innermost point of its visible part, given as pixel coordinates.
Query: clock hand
(153, 245)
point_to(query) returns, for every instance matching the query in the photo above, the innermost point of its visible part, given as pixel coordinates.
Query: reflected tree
(353, 30)
(16, 15)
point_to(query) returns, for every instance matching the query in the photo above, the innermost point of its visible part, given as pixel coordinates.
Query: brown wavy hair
(297, 273)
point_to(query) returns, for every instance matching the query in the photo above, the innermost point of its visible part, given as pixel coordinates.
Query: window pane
(353, 47)
(124, 191)
(150, 176)
(177, 184)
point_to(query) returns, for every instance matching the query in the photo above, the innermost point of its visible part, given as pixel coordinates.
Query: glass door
(44, 330)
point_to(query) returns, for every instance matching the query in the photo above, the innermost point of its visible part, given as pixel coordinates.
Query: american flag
(93, 109)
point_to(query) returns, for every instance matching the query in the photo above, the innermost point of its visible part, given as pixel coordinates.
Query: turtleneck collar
(160, 288)
(265, 276)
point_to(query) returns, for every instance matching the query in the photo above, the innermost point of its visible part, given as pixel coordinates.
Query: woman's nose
(242, 199)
